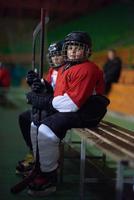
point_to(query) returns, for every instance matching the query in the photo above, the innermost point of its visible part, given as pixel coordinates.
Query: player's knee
(33, 130)
(33, 125)
(21, 117)
(24, 117)
(47, 135)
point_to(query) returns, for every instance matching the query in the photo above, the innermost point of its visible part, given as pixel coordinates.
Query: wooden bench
(114, 142)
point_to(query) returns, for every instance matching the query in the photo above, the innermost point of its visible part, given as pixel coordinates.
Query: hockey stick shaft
(42, 41)
(24, 183)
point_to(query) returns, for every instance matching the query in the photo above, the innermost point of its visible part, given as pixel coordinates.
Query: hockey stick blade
(37, 30)
(38, 27)
(24, 183)
(35, 35)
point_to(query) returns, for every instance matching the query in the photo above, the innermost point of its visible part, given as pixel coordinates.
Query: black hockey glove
(38, 86)
(31, 75)
(41, 101)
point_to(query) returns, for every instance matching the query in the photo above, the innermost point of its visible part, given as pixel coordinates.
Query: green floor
(13, 148)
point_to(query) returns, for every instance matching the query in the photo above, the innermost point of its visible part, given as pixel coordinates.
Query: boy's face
(75, 52)
(57, 60)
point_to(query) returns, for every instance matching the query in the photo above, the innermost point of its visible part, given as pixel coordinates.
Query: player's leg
(25, 124)
(33, 135)
(48, 146)
(50, 133)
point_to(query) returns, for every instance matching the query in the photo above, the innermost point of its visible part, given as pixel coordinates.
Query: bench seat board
(114, 141)
(116, 127)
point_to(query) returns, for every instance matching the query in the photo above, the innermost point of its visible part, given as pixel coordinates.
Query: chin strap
(71, 63)
(67, 66)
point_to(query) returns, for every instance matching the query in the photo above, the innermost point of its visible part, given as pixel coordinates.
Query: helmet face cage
(52, 54)
(87, 51)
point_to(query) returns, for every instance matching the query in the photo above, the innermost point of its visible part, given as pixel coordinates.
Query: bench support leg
(119, 181)
(82, 168)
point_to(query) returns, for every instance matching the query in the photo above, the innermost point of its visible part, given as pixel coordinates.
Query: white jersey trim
(64, 104)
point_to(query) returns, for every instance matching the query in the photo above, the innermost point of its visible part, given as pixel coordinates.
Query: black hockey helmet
(79, 38)
(55, 49)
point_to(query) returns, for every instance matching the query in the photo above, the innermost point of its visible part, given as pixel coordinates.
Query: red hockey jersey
(77, 83)
(48, 75)
(51, 76)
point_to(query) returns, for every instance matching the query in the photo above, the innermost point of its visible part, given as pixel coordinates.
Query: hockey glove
(40, 101)
(38, 86)
(31, 75)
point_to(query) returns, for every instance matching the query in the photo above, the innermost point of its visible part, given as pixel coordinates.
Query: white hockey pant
(48, 145)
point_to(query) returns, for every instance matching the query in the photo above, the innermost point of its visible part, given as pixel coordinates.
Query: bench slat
(117, 135)
(105, 147)
(123, 130)
(126, 149)
(115, 142)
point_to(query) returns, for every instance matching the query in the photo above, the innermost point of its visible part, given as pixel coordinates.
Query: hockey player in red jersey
(77, 102)
(55, 60)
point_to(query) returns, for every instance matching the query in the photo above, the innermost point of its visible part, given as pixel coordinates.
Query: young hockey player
(55, 60)
(77, 102)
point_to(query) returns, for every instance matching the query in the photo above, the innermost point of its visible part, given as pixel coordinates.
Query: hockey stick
(42, 40)
(45, 20)
(35, 34)
(24, 183)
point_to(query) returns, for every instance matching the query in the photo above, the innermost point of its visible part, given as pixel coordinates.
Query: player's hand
(38, 86)
(31, 75)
